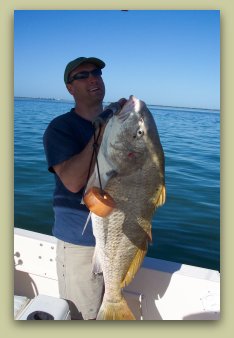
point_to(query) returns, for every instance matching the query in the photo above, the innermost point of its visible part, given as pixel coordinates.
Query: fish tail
(115, 311)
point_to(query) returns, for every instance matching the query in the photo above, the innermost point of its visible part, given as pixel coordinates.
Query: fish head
(131, 137)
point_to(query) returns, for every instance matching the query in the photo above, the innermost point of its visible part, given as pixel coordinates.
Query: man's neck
(88, 112)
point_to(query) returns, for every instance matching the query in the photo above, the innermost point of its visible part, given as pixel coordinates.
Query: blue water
(186, 229)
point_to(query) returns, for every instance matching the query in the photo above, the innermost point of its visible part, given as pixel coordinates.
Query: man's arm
(73, 172)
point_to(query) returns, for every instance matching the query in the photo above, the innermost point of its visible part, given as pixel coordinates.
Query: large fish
(131, 162)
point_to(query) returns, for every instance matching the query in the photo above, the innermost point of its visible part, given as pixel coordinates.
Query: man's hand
(122, 102)
(116, 106)
(113, 109)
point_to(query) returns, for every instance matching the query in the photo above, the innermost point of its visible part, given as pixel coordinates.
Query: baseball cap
(77, 62)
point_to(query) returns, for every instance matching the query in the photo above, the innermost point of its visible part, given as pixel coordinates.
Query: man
(68, 144)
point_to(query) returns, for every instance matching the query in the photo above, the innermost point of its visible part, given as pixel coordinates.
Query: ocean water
(186, 229)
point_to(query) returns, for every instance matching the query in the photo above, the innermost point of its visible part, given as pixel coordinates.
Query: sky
(169, 58)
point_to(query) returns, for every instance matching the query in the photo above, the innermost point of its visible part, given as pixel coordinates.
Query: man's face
(91, 89)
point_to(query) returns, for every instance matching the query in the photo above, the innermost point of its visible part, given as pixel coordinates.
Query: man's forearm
(73, 172)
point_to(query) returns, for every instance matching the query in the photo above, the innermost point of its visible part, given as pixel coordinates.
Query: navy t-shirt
(66, 136)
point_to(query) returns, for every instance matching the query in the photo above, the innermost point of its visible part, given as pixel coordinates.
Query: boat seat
(20, 303)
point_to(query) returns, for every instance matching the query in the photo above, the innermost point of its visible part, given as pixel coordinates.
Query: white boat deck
(161, 290)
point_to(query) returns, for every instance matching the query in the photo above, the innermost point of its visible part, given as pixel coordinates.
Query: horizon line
(148, 104)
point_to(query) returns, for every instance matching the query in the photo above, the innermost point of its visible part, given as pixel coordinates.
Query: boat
(161, 290)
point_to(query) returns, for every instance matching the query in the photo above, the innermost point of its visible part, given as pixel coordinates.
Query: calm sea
(186, 229)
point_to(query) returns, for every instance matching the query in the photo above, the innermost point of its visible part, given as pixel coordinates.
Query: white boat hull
(161, 290)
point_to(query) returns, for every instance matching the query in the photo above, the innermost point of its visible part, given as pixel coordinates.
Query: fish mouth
(123, 117)
(131, 107)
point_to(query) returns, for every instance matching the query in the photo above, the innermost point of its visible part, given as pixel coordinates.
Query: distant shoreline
(148, 104)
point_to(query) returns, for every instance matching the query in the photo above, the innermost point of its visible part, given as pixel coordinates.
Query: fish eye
(139, 133)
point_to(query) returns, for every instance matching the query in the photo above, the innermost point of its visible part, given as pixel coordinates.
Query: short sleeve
(60, 142)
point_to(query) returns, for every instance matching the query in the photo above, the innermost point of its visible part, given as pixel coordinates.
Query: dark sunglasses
(85, 74)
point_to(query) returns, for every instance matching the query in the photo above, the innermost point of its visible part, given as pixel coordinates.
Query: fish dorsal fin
(161, 198)
(135, 264)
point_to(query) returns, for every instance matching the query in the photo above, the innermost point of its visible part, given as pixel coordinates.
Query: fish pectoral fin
(135, 264)
(161, 198)
(87, 221)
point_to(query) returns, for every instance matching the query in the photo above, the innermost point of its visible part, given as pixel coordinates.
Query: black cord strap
(94, 152)
(111, 110)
